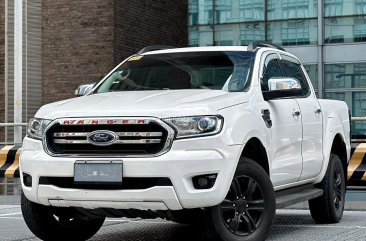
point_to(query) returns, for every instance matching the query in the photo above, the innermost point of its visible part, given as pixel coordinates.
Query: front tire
(249, 208)
(49, 223)
(329, 207)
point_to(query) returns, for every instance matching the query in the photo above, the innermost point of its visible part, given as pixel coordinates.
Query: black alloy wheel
(337, 188)
(248, 211)
(329, 207)
(243, 209)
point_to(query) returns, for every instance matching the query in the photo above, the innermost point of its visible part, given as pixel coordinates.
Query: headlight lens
(193, 126)
(36, 128)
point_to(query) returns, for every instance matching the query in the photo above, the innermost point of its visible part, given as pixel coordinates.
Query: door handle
(317, 111)
(296, 113)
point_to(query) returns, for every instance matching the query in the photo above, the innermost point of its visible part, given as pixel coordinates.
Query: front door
(286, 130)
(286, 141)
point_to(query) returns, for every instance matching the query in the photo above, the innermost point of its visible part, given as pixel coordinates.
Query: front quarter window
(228, 71)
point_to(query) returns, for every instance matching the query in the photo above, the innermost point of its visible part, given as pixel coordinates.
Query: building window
(312, 70)
(295, 8)
(200, 12)
(333, 7)
(291, 9)
(223, 11)
(359, 30)
(227, 34)
(296, 32)
(344, 7)
(250, 32)
(345, 29)
(251, 10)
(200, 36)
(236, 11)
(245, 22)
(347, 82)
(238, 34)
(193, 12)
(334, 76)
(360, 7)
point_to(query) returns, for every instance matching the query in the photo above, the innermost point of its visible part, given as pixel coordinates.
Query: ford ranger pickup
(218, 137)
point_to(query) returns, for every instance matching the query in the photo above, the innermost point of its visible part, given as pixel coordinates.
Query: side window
(294, 70)
(272, 69)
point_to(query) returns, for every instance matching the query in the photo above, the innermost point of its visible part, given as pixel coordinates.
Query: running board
(295, 195)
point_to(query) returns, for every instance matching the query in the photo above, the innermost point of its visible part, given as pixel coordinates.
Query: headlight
(36, 128)
(193, 126)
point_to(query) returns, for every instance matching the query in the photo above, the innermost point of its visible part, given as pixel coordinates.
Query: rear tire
(249, 208)
(49, 223)
(329, 207)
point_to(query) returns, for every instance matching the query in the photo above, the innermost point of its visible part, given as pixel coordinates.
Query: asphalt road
(289, 225)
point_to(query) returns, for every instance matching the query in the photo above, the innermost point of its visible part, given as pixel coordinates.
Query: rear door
(311, 117)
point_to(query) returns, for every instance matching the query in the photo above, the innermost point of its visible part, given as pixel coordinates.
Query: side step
(295, 195)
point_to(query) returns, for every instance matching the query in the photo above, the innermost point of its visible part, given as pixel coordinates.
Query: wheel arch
(255, 150)
(339, 148)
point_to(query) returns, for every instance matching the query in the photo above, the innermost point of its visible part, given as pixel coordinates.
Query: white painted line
(137, 221)
(152, 222)
(11, 218)
(117, 220)
(9, 214)
(318, 226)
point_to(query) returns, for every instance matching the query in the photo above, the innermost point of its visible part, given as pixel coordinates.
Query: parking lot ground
(289, 225)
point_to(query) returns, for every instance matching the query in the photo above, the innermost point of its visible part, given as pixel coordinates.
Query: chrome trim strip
(139, 134)
(121, 134)
(64, 141)
(70, 134)
(167, 146)
(141, 141)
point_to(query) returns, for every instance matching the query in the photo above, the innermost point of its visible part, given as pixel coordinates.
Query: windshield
(229, 71)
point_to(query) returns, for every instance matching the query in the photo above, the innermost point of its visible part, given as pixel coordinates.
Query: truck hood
(162, 104)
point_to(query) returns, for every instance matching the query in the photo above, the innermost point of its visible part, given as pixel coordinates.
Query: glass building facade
(329, 36)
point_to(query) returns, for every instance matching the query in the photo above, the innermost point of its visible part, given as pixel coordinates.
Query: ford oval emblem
(102, 138)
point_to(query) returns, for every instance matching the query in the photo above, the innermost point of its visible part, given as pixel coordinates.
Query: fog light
(27, 180)
(204, 181)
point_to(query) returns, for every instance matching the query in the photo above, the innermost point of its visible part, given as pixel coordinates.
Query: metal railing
(359, 118)
(363, 137)
(10, 188)
(11, 125)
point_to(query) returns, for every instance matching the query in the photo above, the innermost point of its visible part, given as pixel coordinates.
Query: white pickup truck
(216, 136)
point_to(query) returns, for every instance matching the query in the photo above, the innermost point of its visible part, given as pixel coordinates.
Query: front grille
(102, 137)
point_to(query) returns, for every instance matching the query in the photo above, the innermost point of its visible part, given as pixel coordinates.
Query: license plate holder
(98, 172)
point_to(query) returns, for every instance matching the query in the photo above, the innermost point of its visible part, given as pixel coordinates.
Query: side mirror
(84, 89)
(282, 88)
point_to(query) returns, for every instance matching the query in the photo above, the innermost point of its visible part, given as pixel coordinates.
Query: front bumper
(186, 159)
